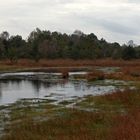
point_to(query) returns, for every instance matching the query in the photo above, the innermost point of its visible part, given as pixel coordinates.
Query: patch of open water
(48, 87)
(34, 87)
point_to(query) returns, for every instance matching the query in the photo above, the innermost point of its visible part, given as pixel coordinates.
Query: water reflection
(0, 92)
(80, 86)
(13, 90)
(36, 86)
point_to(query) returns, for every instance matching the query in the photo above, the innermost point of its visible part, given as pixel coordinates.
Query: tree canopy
(53, 45)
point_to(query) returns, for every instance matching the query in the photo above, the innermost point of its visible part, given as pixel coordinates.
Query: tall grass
(74, 124)
(71, 62)
(126, 127)
(121, 122)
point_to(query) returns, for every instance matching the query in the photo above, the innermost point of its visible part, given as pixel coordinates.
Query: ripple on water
(39, 87)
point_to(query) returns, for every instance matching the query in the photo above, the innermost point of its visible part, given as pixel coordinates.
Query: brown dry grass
(83, 125)
(70, 63)
(126, 127)
(127, 73)
(95, 75)
(76, 125)
(130, 70)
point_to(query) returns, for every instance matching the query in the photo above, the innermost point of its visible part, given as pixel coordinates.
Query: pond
(25, 85)
(29, 93)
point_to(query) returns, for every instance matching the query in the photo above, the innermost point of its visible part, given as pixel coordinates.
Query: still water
(56, 89)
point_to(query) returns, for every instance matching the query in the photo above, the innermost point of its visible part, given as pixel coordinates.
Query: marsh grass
(121, 99)
(27, 63)
(114, 116)
(117, 118)
(74, 125)
(95, 75)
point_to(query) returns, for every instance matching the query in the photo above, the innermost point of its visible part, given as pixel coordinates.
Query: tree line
(53, 45)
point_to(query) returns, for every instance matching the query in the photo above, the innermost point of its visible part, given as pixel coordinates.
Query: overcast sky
(114, 20)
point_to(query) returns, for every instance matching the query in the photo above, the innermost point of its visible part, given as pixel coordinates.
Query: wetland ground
(98, 101)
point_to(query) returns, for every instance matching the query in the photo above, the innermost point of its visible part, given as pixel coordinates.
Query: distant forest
(53, 45)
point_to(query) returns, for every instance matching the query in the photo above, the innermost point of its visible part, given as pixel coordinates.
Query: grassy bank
(26, 63)
(114, 116)
(109, 117)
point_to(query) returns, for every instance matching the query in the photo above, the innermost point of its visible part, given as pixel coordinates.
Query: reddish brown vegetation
(126, 73)
(124, 124)
(130, 70)
(128, 98)
(70, 63)
(84, 125)
(76, 125)
(126, 127)
(95, 75)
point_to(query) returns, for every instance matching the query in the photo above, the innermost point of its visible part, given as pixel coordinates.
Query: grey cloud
(120, 28)
(116, 22)
(133, 1)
